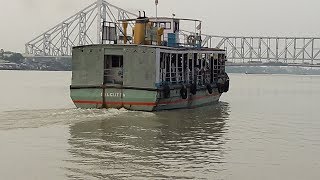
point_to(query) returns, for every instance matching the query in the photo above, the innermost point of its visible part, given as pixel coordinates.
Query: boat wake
(38, 118)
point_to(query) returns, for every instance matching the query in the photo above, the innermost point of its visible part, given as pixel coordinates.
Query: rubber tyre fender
(226, 86)
(191, 39)
(220, 87)
(193, 89)
(184, 92)
(166, 91)
(209, 88)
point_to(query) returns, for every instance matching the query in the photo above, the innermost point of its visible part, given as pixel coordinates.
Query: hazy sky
(22, 20)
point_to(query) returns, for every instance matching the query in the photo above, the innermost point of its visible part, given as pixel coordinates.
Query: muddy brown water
(266, 127)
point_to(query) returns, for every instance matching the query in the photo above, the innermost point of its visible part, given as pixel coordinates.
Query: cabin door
(113, 69)
(113, 79)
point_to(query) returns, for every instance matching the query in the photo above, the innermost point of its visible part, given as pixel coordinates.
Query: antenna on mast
(156, 2)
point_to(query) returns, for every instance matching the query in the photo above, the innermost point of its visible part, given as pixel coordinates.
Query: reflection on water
(170, 144)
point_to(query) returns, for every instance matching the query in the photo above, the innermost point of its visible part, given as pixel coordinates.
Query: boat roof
(155, 46)
(167, 18)
(173, 18)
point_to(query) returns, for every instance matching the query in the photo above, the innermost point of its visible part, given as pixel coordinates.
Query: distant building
(7, 54)
(1, 53)
(9, 66)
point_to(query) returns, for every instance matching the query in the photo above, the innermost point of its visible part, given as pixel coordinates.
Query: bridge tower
(83, 28)
(102, 18)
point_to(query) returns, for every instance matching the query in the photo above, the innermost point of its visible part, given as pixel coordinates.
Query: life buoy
(209, 88)
(191, 39)
(193, 89)
(184, 92)
(220, 87)
(166, 91)
(120, 73)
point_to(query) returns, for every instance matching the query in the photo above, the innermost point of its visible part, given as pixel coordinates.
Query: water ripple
(157, 145)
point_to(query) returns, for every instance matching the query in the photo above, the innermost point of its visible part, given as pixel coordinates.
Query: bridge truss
(287, 50)
(83, 28)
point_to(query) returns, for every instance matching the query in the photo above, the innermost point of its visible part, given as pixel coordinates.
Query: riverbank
(16, 61)
(273, 70)
(38, 64)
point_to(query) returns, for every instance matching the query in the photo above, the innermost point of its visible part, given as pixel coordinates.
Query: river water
(266, 127)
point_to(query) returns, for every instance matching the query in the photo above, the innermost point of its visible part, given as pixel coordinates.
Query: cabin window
(162, 62)
(165, 25)
(117, 61)
(200, 68)
(167, 65)
(211, 68)
(215, 67)
(173, 68)
(162, 67)
(195, 57)
(176, 26)
(222, 63)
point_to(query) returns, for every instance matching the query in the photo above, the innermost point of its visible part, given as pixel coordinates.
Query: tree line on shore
(16, 61)
(12, 57)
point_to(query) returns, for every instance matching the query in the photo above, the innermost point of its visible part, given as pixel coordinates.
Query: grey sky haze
(22, 20)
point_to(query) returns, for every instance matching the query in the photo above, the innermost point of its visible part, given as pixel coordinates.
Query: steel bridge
(304, 51)
(85, 27)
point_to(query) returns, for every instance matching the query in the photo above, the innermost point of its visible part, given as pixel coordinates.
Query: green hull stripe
(186, 100)
(116, 103)
(145, 103)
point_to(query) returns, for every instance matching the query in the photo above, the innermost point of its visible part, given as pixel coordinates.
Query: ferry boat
(154, 66)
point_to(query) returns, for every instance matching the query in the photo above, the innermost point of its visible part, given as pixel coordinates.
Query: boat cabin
(156, 53)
